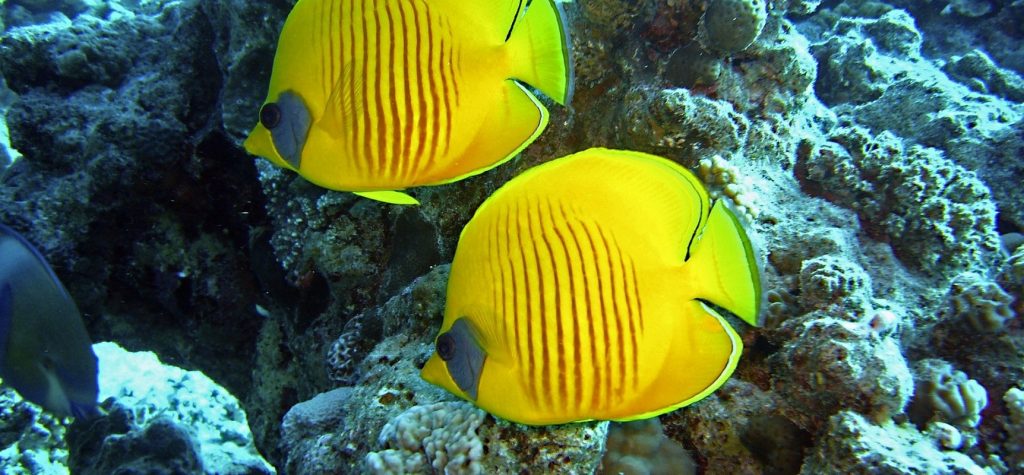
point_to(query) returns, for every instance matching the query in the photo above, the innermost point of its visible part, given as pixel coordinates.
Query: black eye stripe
(445, 347)
(270, 115)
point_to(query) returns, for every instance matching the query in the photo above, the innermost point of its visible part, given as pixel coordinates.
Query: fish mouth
(260, 143)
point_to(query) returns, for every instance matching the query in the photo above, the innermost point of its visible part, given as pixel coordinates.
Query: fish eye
(446, 346)
(270, 115)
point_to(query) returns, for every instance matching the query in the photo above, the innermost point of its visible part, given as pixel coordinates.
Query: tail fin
(725, 260)
(539, 50)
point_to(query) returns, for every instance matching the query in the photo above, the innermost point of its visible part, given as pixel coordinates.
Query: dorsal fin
(515, 18)
(490, 22)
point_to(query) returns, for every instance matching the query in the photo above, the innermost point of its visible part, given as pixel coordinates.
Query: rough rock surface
(155, 418)
(873, 146)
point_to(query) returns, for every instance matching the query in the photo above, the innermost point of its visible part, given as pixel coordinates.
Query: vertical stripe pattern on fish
(378, 95)
(578, 292)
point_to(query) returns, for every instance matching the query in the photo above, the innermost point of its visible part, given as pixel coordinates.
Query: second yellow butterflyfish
(589, 287)
(374, 96)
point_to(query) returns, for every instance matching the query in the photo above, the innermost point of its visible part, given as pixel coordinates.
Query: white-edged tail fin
(726, 266)
(539, 50)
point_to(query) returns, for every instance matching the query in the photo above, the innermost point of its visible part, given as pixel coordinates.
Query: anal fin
(515, 122)
(393, 197)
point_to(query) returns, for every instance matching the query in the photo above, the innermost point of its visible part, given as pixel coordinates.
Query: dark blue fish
(45, 352)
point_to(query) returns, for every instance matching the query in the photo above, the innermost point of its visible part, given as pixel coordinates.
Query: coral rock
(854, 445)
(730, 26)
(835, 364)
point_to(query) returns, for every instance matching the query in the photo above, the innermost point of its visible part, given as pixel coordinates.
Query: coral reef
(154, 410)
(385, 422)
(641, 447)
(738, 430)
(938, 216)
(946, 394)
(730, 26)
(114, 112)
(154, 417)
(874, 71)
(872, 147)
(442, 436)
(32, 441)
(161, 445)
(853, 444)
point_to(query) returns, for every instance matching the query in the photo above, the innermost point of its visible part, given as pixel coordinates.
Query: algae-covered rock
(938, 216)
(853, 444)
(835, 364)
(730, 26)
(392, 420)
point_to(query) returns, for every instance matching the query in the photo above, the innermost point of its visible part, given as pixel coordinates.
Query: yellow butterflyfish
(374, 96)
(588, 288)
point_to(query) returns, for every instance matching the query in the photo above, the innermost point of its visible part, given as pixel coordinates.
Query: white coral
(442, 436)
(736, 187)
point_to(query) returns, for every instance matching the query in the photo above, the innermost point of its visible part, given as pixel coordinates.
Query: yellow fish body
(580, 291)
(373, 96)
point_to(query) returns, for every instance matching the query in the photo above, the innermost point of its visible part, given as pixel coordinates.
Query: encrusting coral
(831, 280)
(936, 215)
